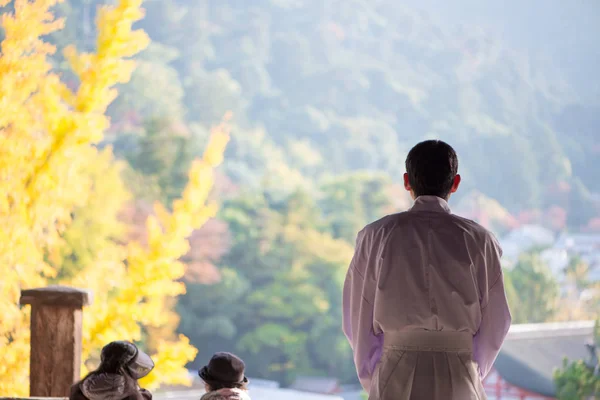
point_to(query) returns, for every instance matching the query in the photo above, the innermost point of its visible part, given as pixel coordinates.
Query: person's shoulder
(480, 233)
(470, 225)
(384, 223)
(99, 386)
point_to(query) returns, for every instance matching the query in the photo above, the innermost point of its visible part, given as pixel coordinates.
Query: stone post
(56, 317)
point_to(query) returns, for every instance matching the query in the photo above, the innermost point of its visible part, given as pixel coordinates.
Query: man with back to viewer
(424, 307)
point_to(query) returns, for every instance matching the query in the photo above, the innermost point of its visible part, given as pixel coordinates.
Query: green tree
(511, 294)
(582, 298)
(580, 380)
(161, 156)
(577, 272)
(210, 94)
(154, 91)
(182, 25)
(581, 207)
(351, 201)
(537, 291)
(209, 313)
(288, 323)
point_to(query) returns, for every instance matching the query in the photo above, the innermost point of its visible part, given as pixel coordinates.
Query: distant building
(557, 260)
(529, 356)
(525, 238)
(586, 246)
(579, 242)
(556, 253)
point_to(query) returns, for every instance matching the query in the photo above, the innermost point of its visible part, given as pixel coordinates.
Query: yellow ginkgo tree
(48, 137)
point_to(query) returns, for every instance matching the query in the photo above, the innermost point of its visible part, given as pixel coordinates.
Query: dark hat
(224, 368)
(127, 355)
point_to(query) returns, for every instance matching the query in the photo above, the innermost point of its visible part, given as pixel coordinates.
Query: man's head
(432, 170)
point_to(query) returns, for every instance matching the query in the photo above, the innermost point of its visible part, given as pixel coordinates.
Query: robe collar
(431, 203)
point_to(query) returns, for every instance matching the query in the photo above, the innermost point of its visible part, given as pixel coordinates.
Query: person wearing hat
(224, 378)
(116, 378)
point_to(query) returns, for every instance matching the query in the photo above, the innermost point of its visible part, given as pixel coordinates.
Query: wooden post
(56, 317)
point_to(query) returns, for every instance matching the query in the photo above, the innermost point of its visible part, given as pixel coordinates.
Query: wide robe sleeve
(495, 313)
(358, 300)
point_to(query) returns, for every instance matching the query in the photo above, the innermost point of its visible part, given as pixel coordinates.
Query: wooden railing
(56, 322)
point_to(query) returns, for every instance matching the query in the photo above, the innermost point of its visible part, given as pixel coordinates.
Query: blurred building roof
(525, 238)
(532, 352)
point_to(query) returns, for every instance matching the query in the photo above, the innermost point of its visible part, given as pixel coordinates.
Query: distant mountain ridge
(328, 87)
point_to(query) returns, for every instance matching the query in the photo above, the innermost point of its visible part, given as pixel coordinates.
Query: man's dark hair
(431, 167)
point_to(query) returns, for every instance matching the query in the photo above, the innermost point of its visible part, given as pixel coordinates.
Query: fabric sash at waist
(440, 341)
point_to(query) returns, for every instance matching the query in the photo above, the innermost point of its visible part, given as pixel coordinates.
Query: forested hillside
(322, 88)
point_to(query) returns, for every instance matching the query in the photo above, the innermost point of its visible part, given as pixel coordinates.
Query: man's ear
(406, 183)
(455, 184)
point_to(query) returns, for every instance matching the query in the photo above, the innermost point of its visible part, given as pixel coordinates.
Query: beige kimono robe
(424, 307)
